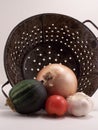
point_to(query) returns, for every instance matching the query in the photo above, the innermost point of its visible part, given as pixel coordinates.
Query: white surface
(14, 11)
(11, 13)
(14, 121)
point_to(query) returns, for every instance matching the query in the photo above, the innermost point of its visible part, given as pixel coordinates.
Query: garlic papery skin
(79, 104)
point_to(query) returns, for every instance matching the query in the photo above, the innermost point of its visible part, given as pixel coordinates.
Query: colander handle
(2, 88)
(89, 21)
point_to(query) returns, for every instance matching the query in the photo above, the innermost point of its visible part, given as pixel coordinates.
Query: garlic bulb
(79, 104)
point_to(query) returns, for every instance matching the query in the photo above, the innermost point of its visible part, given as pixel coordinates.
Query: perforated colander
(52, 38)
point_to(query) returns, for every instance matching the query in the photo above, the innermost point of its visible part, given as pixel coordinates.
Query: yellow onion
(58, 79)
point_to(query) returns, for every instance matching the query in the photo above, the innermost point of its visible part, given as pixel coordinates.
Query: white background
(14, 11)
(11, 13)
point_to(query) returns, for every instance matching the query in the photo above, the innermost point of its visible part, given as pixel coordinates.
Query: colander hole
(32, 31)
(81, 46)
(77, 37)
(38, 69)
(35, 33)
(65, 43)
(32, 69)
(46, 40)
(56, 40)
(94, 66)
(34, 60)
(73, 34)
(90, 70)
(69, 35)
(82, 58)
(51, 40)
(84, 68)
(66, 26)
(69, 46)
(34, 27)
(39, 63)
(65, 61)
(64, 33)
(66, 39)
(36, 38)
(75, 45)
(61, 49)
(21, 42)
(86, 56)
(15, 47)
(46, 31)
(71, 42)
(78, 42)
(49, 27)
(27, 43)
(18, 47)
(55, 27)
(52, 24)
(38, 29)
(77, 56)
(43, 59)
(92, 53)
(58, 31)
(37, 49)
(49, 58)
(56, 59)
(68, 31)
(23, 33)
(26, 39)
(58, 55)
(25, 68)
(31, 40)
(83, 63)
(86, 41)
(49, 46)
(49, 52)
(52, 31)
(17, 51)
(62, 37)
(83, 73)
(82, 41)
(40, 32)
(77, 32)
(40, 41)
(85, 86)
(61, 41)
(90, 58)
(57, 36)
(73, 38)
(72, 49)
(46, 35)
(40, 54)
(75, 52)
(30, 35)
(79, 60)
(62, 29)
(74, 69)
(80, 54)
(29, 57)
(70, 58)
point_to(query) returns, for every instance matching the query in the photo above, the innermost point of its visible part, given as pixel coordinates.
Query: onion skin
(58, 79)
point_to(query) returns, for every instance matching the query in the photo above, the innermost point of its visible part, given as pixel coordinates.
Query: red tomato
(56, 104)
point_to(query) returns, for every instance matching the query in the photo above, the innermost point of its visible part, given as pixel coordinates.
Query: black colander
(52, 38)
